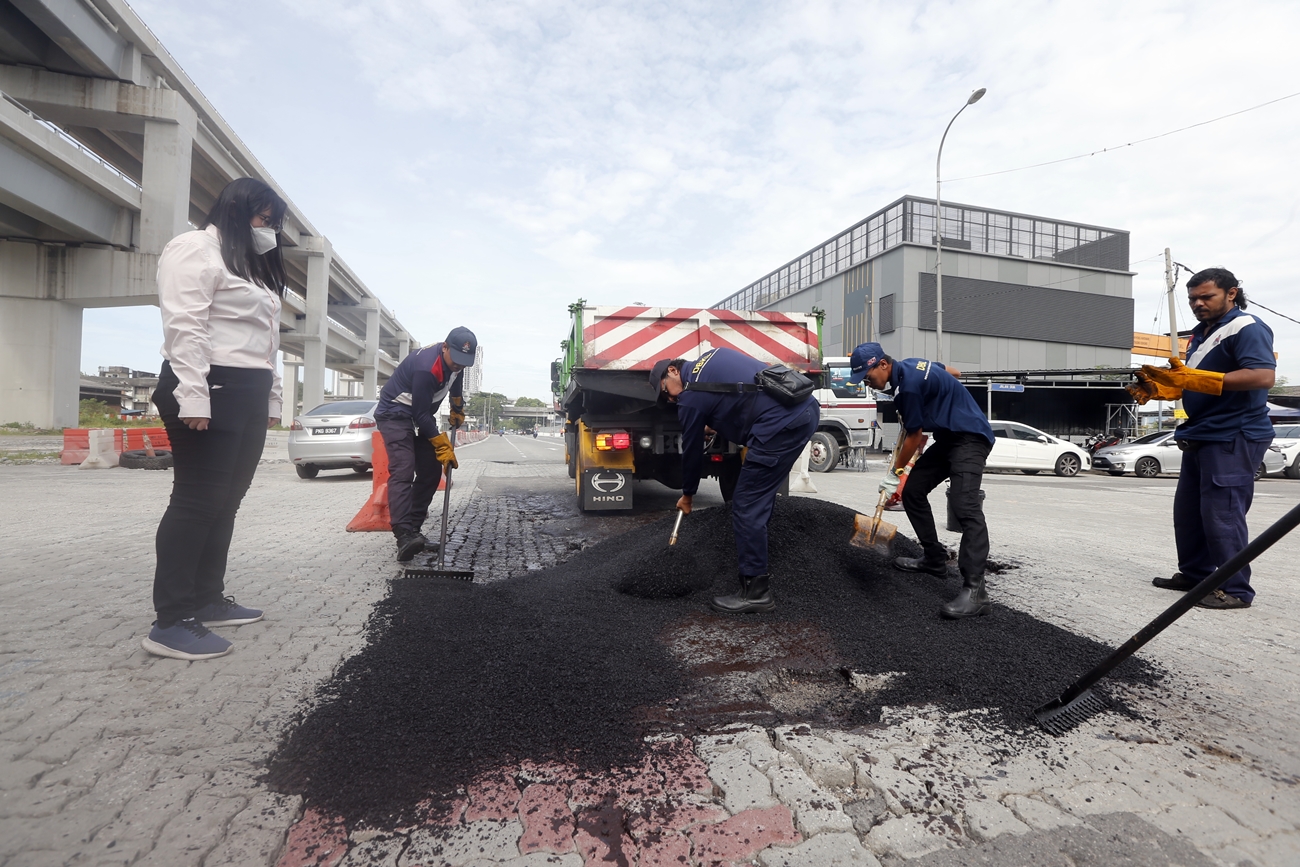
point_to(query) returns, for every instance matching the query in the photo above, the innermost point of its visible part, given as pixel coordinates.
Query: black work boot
(1178, 581)
(971, 601)
(408, 545)
(753, 596)
(937, 568)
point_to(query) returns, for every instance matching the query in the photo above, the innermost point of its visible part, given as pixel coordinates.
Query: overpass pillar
(40, 340)
(316, 325)
(165, 179)
(370, 362)
(289, 384)
(403, 346)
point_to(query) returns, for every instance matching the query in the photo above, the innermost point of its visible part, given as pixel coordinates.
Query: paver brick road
(111, 756)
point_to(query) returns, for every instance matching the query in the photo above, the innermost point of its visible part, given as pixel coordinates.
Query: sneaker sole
(172, 653)
(239, 621)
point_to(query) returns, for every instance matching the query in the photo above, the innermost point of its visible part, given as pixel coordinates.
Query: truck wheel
(571, 452)
(825, 453)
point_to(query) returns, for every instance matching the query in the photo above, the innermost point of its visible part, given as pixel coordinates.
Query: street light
(938, 230)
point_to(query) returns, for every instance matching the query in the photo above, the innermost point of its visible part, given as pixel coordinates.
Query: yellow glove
(1143, 391)
(443, 451)
(1179, 375)
(457, 412)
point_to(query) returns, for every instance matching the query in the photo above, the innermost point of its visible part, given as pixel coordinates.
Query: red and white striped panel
(633, 338)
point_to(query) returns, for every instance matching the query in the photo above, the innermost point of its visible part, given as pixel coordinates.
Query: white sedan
(1020, 447)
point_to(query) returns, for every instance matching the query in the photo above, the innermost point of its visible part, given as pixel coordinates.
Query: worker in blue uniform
(407, 419)
(1224, 388)
(928, 397)
(773, 435)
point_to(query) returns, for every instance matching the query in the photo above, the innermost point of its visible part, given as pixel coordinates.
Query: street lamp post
(938, 230)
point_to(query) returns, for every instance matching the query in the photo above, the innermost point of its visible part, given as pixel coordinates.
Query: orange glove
(1179, 375)
(1144, 390)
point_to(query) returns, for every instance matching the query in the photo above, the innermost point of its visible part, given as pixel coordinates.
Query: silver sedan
(1157, 453)
(333, 436)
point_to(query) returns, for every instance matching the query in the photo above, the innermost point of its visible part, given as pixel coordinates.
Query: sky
(487, 164)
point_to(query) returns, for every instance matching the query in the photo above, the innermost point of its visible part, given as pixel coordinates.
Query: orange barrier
(374, 514)
(76, 441)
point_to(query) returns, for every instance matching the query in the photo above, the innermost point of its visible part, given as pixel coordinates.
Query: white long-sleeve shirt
(211, 316)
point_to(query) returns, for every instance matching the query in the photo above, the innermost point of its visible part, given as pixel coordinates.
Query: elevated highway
(107, 151)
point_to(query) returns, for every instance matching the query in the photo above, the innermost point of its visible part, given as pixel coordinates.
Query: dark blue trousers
(1215, 488)
(413, 474)
(766, 466)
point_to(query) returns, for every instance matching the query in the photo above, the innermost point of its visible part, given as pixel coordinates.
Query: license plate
(318, 431)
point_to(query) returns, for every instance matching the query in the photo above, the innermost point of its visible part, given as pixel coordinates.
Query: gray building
(1019, 292)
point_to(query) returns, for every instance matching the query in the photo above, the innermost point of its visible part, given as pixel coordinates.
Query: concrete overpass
(107, 151)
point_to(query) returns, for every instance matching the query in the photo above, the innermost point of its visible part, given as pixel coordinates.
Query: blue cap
(463, 346)
(864, 357)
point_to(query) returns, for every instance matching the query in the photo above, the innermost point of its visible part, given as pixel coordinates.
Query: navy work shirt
(417, 387)
(748, 419)
(1237, 341)
(928, 397)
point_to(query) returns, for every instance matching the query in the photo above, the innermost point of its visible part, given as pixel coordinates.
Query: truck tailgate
(633, 338)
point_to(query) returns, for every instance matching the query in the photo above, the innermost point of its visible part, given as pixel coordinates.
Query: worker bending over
(1224, 388)
(928, 397)
(773, 434)
(407, 420)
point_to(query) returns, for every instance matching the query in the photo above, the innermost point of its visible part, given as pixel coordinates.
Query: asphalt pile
(561, 664)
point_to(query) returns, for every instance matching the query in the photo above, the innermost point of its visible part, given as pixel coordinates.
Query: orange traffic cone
(374, 514)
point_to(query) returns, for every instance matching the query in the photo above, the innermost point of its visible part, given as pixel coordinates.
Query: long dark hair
(232, 214)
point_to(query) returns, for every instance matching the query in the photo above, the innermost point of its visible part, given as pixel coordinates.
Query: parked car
(1157, 453)
(333, 436)
(1021, 447)
(1287, 438)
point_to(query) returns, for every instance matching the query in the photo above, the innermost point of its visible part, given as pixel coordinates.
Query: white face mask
(263, 240)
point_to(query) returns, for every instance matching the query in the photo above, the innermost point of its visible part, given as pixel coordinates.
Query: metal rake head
(1058, 717)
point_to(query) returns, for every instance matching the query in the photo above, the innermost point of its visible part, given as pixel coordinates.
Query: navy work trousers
(766, 466)
(960, 458)
(413, 474)
(212, 470)
(1215, 489)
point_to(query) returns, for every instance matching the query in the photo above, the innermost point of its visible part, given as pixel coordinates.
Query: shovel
(873, 532)
(1079, 703)
(677, 525)
(441, 571)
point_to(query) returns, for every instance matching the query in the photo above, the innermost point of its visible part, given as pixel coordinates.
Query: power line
(1127, 144)
(1274, 312)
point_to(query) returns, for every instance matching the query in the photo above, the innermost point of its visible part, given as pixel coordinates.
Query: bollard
(803, 484)
(953, 524)
(103, 454)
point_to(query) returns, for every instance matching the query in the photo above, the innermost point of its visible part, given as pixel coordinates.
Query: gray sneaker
(226, 612)
(186, 639)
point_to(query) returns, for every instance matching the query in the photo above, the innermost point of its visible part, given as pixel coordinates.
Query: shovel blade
(864, 537)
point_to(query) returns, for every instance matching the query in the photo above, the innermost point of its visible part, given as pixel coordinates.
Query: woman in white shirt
(219, 289)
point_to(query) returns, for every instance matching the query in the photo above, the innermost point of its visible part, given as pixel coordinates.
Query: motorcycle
(1099, 441)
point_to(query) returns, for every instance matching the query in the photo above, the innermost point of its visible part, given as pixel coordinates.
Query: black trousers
(413, 474)
(959, 457)
(212, 470)
(766, 467)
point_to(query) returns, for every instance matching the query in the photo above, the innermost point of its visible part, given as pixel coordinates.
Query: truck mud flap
(606, 489)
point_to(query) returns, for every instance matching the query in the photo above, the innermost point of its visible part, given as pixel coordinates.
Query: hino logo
(611, 484)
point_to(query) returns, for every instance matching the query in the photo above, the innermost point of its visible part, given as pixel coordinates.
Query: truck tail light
(297, 425)
(618, 440)
(717, 459)
(359, 423)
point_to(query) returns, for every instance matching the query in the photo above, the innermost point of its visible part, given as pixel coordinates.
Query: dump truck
(616, 431)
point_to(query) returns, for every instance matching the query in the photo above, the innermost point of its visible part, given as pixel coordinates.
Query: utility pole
(1170, 285)
(938, 230)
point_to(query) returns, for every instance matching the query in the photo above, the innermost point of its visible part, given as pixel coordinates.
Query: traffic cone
(374, 514)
